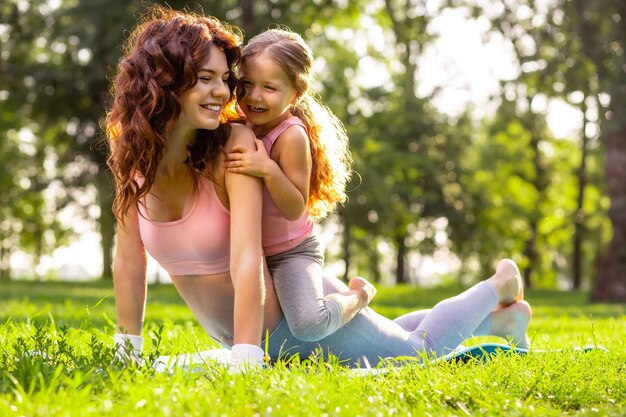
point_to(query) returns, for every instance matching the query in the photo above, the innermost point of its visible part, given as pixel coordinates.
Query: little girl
(304, 161)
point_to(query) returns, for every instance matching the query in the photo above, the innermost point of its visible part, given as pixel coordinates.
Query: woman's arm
(246, 254)
(129, 277)
(287, 180)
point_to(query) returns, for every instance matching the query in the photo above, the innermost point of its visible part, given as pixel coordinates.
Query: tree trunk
(579, 218)
(106, 222)
(610, 283)
(530, 252)
(374, 264)
(248, 20)
(5, 267)
(400, 260)
(540, 184)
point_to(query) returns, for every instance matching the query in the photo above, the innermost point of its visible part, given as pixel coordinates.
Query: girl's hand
(243, 160)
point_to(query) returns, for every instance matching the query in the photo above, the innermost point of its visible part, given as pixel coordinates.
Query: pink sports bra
(197, 244)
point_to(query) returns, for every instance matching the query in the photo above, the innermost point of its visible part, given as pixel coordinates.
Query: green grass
(73, 324)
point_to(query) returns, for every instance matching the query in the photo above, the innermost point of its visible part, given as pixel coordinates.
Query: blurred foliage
(574, 50)
(466, 190)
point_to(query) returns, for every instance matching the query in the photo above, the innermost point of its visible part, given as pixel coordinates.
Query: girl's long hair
(161, 60)
(327, 136)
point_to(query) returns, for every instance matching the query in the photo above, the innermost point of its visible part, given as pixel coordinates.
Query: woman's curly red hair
(161, 61)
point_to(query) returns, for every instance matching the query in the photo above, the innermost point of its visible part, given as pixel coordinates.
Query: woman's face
(203, 103)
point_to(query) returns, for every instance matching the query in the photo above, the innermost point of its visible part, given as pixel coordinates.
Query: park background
(479, 130)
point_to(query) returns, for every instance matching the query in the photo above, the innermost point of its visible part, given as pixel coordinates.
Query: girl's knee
(312, 327)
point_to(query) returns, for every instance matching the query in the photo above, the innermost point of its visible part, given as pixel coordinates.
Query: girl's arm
(287, 179)
(129, 280)
(246, 254)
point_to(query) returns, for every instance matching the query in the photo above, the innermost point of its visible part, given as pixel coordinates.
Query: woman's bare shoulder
(240, 134)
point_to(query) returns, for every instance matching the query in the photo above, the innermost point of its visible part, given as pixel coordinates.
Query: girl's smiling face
(267, 92)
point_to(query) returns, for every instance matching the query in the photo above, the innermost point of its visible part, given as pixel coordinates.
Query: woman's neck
(176, 153)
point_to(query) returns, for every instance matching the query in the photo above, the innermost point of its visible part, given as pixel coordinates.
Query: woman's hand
(245, 357)
(128, 347)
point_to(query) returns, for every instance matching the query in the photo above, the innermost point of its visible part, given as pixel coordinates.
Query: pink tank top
(280, 234)
(197, 244)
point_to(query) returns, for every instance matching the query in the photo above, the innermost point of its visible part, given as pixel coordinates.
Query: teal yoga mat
(485, 351)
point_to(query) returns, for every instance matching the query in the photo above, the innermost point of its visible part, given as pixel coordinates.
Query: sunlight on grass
(56, 359)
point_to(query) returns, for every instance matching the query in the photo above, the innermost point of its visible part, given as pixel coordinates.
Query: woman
(169, 130)
(172, 96)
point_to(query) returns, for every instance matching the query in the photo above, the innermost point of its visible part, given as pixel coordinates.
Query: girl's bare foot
(364, 287)
(508, 282)
(520, 281)
(511, 323)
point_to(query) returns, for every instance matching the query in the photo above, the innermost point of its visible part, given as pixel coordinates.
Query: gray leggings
(298, 276)
(369, 337)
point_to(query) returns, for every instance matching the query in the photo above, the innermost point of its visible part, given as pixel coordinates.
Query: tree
(66, 57)
(28, 208)
(601, 26)
(409, 159)
(548, 51)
